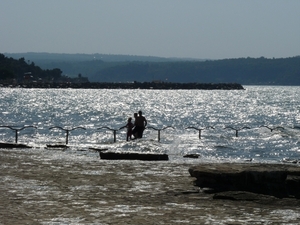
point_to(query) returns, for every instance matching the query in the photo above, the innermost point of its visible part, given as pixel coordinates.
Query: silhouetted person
(140, 124)
(134, 130)
(129, 127)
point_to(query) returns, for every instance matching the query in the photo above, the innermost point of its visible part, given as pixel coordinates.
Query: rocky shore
(37, 187)
(132, 85)
(278, 180)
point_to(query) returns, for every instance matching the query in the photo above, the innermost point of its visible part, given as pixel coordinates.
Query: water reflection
(91, 109)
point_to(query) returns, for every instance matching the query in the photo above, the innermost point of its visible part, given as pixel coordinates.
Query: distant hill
(246, 71)
(126, 68)
(48, 58)
(87, 64)
(15, 71)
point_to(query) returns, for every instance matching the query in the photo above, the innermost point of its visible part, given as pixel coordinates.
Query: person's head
(135, 114)
(129, 119)
(140, 113)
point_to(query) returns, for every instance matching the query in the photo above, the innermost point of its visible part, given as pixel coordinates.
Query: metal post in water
(67, 131)
(114, 132)
(17, 130)
(158, 135)
(237, 130)
(199, 129)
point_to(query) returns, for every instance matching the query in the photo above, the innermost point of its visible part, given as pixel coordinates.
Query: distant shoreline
(133, 85)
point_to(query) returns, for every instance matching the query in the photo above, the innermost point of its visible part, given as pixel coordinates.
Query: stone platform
(279, 180)
(13, 145)
(133, 156)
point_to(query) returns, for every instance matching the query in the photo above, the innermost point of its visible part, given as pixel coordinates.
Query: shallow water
(39, 189)
(74, 186)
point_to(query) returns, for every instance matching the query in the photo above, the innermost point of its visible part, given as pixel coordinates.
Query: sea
(260, 124)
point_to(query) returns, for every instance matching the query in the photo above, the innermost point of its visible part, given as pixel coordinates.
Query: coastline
(37, 190)
(130, 85)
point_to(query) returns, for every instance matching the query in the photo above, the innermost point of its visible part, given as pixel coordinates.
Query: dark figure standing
(140, 124)
(134, 131)
(129, 127)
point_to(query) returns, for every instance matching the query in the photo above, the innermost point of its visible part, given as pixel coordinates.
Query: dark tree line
(20, 70)
(285, 71)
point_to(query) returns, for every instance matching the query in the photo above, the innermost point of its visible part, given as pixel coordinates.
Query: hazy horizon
(125, 55)
(196, 29)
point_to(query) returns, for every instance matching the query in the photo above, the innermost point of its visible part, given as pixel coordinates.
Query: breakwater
(132, 85)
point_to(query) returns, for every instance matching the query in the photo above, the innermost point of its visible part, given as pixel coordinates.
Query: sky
(200, 29)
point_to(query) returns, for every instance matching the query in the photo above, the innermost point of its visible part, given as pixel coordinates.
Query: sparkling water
(259, 123)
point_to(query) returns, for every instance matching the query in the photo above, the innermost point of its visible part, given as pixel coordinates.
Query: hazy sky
(214, 29)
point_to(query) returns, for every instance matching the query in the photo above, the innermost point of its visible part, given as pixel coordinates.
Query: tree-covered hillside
(246, 71)
(284, 71)
(20, 70)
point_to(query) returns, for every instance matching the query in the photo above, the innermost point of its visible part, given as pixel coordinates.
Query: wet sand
(34, 190)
